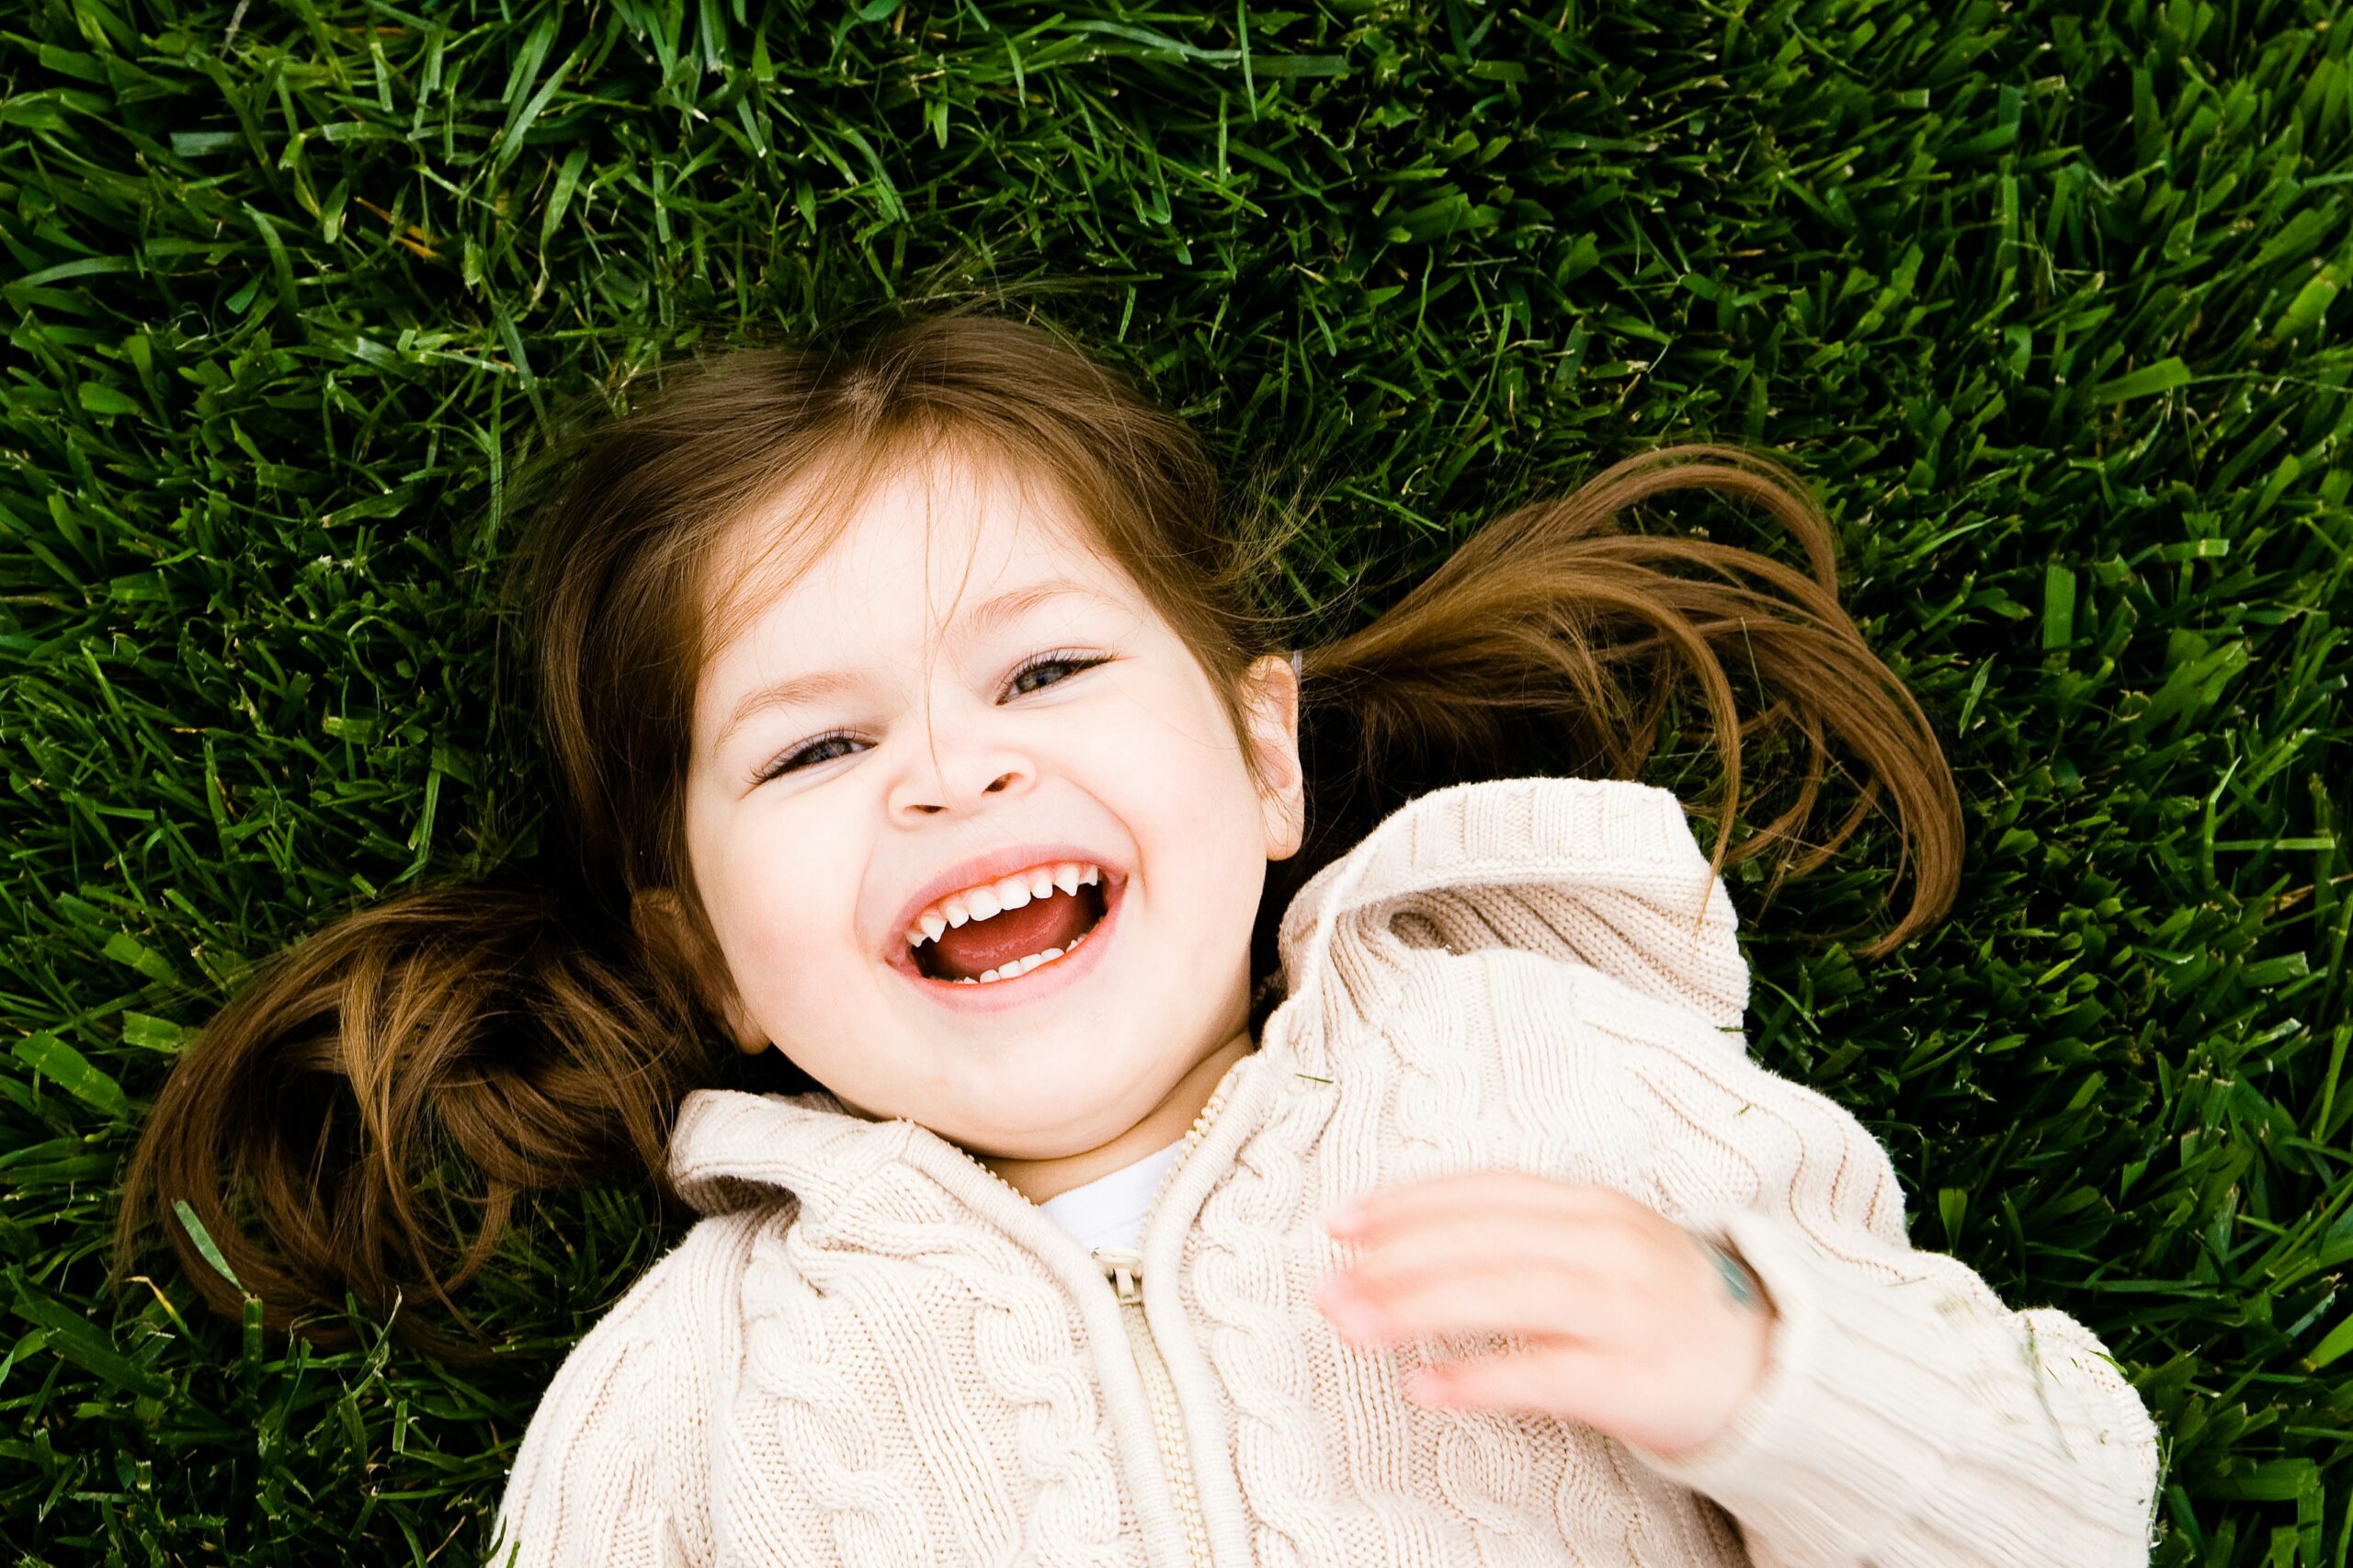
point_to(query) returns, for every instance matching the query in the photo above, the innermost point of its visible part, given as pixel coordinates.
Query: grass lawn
(2044, 296)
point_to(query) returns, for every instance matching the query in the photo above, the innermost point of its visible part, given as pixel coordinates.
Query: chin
(1057, 1141)
(1069, 1124)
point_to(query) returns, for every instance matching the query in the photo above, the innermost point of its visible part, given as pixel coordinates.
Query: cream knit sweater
(872, 1351)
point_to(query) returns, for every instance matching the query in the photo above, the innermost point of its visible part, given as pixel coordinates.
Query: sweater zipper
(1125, 1268)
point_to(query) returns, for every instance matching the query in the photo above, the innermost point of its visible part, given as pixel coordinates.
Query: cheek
(1201, 810)
(782, 905)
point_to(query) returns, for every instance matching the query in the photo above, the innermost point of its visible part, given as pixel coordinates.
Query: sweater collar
(730, 1149)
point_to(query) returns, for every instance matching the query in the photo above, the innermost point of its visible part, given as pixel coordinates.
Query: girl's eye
(824, 748)
(1055, 666)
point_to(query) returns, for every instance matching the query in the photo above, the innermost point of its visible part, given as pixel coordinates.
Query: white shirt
(1109, 1210)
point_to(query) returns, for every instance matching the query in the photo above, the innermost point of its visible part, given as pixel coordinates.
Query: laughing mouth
(1001, 930)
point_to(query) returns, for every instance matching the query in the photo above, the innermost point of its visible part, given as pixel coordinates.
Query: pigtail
(1554, 640)
(450, 1049)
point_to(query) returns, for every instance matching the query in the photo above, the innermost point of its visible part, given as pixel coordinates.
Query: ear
(1270, 705)
(659, 917)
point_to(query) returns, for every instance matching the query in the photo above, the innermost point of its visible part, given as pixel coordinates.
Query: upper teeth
(992, 898)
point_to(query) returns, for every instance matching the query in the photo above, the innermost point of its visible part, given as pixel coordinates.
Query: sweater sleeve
(1905, 1415)
(611, 1471)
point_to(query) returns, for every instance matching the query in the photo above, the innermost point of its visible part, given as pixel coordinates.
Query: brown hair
(520, 1036)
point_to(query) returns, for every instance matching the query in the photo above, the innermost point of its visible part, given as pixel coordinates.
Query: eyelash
(793, 761)
(1076, 664)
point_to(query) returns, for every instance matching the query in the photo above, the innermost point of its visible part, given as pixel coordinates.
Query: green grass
(2044, 295)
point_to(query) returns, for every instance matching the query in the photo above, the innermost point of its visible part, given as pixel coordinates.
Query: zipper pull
(1124, 1266)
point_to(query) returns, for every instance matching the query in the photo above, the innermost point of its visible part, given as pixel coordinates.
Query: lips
(1013, 941)
(994, 866)
(1003, 917)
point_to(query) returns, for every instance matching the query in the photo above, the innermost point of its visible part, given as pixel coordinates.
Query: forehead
(865, 543)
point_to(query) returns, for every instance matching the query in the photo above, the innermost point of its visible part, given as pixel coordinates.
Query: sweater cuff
(1835, 1451)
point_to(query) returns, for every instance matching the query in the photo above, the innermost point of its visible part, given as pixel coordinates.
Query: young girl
(913, 723)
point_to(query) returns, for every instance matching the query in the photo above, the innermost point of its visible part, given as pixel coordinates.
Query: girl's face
(963, 723)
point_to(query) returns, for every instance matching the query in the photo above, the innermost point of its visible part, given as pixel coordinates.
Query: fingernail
(1345, 1219)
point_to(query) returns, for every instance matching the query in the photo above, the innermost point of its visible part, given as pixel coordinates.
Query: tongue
(977, 945)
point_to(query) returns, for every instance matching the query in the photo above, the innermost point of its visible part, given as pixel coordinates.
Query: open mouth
(1001, 930)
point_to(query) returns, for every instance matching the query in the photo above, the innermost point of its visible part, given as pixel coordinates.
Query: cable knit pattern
(872, 1351)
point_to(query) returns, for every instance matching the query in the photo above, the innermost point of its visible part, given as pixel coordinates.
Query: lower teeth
(1023, 966)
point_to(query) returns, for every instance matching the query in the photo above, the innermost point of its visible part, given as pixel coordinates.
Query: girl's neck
(1039, 1180)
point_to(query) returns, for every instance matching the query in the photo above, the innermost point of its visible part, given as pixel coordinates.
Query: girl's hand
(1634, 1326)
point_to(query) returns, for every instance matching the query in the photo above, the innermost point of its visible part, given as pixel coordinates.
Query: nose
(956, 771)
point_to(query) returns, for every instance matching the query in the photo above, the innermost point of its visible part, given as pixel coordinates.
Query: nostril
(1001, 781)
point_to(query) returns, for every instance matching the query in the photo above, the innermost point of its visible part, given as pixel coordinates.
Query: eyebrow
(1019, 602)
(799, 690)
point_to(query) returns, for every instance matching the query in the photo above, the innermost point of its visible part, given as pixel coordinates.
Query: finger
(1395, 1256)
(1573, 1384)
(1520, 1299)
(1478, 1192)
(1566, 1382)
